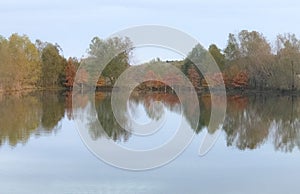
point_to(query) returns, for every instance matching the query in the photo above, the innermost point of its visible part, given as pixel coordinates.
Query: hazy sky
(72, 24)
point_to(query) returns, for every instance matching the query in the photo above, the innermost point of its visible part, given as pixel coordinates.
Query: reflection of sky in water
(62, 164)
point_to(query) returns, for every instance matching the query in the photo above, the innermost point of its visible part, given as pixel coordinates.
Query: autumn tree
(287, 61)
(20, 63)
(4, 63)
(70, 71)
(251, 52)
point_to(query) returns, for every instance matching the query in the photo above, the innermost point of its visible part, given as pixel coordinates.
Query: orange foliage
(101, 82)
(216, 79)
(240, 80)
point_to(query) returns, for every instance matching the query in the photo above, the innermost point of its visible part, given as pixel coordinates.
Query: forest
(249, 61)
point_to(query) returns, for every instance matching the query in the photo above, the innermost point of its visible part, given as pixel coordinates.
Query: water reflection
(251, 121)
(106, 117)
(31, 114)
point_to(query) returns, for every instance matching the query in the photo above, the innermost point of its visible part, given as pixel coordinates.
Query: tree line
(249, 60)
(27, 65)
(32, 65)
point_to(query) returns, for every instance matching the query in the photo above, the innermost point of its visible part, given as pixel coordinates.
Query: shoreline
(202, 91)
(29, 90)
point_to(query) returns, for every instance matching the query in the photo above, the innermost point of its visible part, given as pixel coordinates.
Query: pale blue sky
(72, 24)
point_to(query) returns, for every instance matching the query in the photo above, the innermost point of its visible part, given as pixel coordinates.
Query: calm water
(41, 150)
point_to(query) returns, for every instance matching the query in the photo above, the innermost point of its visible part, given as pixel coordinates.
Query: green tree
(115, 51)
(53, 66)
(198, 62)
(217, 55)
(232, 50)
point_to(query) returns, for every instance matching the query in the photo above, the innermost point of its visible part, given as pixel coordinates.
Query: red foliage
(101, 82)
(70, 73)
(240, 80)
(194, 77)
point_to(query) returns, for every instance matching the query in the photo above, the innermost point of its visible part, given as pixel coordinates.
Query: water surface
(42, 152)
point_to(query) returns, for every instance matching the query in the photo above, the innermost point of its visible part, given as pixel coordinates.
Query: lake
(42, 148)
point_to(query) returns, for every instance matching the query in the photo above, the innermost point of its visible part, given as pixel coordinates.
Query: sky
(72, 24)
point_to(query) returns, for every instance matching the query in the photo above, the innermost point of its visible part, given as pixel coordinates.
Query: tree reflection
(169, 101)
(287, 127)
(107, 119)
(250, 122)
(52, 109)
(16, 124)
(23, 115)
(263, 119)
